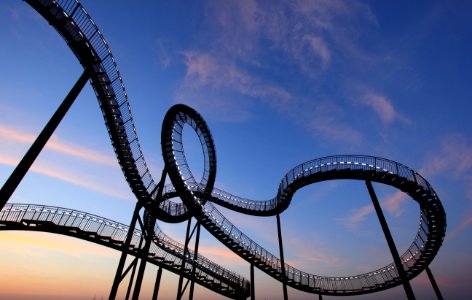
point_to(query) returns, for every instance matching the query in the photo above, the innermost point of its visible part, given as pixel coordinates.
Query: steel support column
(390, 242)
(149, 234)
(23, 166)
(195, 256)
(142, 265)
(253, 289)
(131, 279)
(182, 268)
(434, 284)
(157, 284)
(124, 253)
(282, 261)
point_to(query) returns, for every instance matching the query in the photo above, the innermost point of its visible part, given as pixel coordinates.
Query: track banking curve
(71, 20)
(424, 247)
(165, 253)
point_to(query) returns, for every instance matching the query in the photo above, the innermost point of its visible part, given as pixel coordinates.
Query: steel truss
(75, 25)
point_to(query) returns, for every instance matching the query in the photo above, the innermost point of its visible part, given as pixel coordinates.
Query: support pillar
(131, 279)
(157, 284)
(434, 284)
(142, 265)
(390, 242)
(282, 261)
(253, 288)
(124, 253)
(23, 166)
(182, 268)
(149, 234)
(195, 257)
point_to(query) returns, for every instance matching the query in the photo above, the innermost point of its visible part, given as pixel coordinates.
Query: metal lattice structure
(421, 252)
(84, 38)
(165, 252)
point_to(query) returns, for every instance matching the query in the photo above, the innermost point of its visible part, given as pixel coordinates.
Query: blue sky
(279, 83)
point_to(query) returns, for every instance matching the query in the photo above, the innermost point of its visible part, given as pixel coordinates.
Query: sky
(279, 83)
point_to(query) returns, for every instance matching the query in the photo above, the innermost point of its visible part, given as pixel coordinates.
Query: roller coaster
(197, 198)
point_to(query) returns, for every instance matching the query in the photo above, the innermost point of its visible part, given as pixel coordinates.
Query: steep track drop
(71, 20)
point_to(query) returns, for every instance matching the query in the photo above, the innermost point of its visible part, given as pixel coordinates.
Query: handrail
(71, 20)
(361, 167)
(164, 252)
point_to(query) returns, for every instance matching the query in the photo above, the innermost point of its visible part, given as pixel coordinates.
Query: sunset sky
(279, 83)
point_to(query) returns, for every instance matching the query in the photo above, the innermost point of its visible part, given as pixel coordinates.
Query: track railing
(71, 20)
(166, 252)
(360, 167)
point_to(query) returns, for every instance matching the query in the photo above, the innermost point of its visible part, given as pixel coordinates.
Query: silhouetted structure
(154, 200)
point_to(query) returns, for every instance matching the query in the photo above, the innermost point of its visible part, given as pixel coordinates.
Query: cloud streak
(213, 82)
(67, 176)
(393, 204)
(305, 254)
(381, 106)
(55, 144)
(258, 47)
(51, 169)
(226, 254)
(465, 224)
(453, 157)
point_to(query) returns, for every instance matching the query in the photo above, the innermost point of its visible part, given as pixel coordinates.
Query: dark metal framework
(359, 167)
(163, 252)
(75, 25)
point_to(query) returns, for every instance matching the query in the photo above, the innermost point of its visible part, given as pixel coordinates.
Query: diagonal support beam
(390, 242)
(195, 257)
(124, 253)
(22, 168)
(434, 284)
(148, 237)
(180, 291)
(282, 260)
(157, 284)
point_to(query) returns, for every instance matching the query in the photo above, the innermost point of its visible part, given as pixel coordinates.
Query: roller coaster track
(71, 20)
(358, 167)
(165, 253)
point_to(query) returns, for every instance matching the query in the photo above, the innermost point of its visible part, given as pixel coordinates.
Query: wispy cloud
(320, 48)
(460, 228)
(306, 257)
(326, 120)
(52, 168)
(454, 157)
(163, 57)
(393, 204)
(258, 45)
(211, 79)
(357, 216)
(381, 106)
(67, 176)
(55, 144)
(228, 255)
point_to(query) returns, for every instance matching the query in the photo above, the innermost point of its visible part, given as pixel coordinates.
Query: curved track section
(84, 38)
(166, 253)
(71, 20)
(421, 252)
